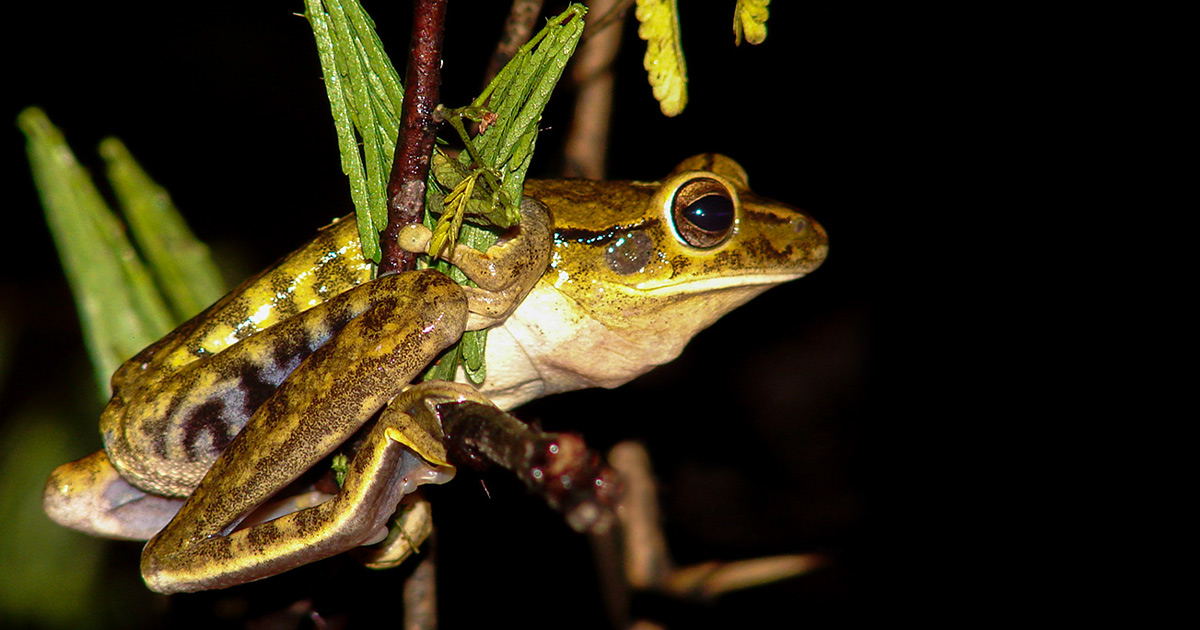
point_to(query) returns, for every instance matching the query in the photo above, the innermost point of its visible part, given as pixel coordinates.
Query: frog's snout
(808, 228)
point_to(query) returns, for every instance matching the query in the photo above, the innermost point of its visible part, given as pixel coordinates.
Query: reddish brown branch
(559, 467)
(410, 167)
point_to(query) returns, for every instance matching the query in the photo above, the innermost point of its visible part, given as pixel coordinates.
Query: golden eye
(703, 213)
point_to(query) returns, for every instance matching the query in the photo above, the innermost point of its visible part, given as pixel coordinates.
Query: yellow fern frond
(659, 26)
(750, 16)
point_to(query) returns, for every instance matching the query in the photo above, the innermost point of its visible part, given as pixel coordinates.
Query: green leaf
(501, 153)
(119, 306)
(51, 574)
(365, 98)
(181, 264)
(445, 233)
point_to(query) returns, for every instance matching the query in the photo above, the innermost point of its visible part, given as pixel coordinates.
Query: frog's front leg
(506, 272)
(401, 323)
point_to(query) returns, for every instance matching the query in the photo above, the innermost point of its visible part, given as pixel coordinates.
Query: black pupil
(711, 213)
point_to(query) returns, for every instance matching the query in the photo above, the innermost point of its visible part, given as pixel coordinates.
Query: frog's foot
(410, 527)
(393, 327)
(383, 470)
(505, 273)
(90, 496)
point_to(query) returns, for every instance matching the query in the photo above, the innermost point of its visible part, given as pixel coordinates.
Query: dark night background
(768, 434)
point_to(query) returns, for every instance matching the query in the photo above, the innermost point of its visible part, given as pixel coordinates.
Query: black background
(769, 434)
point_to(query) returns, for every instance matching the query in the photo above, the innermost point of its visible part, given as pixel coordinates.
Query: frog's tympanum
(600, 282)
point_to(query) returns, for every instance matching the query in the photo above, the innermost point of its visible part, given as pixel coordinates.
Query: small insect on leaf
(750, 17)
(659, 26)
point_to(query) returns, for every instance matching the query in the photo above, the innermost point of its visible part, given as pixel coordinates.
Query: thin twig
(557, 466)
(586, 147)
(422, 81)
(420, 591)
(522, 18)
(646, 559)
(614, 11)
(647, 562)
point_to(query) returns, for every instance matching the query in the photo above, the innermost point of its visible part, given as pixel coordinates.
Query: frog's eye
(703, 212)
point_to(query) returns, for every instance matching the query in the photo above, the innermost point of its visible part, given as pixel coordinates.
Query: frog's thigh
(382, 472)
(412, 317)
(89, 495)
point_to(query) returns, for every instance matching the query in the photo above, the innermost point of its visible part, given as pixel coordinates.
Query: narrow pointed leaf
(181, 264)
(119, 306)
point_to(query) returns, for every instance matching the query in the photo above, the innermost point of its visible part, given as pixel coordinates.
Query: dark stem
(613, 14)
(410, 167)
(420, 591)
(557, 466)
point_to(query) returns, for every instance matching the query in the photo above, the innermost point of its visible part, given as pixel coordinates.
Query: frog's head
(655, 263)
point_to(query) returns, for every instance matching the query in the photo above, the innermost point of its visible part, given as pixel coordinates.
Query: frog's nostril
(817, 229)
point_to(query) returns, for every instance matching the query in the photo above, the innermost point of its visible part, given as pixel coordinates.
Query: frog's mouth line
(754, 279)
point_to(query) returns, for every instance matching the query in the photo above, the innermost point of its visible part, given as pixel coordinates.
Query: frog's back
(176, 406)
(326, 266)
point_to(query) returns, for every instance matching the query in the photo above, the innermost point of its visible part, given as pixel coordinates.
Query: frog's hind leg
(407, 319)
(382, 472)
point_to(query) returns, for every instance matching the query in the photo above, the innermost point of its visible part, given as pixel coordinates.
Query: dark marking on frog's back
(206, 420)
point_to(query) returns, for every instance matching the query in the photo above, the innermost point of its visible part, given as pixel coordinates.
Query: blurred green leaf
(50, 573)
(181, 264)
(119, 306)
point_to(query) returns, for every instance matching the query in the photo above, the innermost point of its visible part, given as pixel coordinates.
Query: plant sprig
(484, 183)
(127, 297)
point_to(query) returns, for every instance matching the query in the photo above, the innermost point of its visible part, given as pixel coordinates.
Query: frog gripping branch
(599, 283)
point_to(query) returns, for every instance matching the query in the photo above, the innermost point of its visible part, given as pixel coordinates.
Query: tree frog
(599, 283)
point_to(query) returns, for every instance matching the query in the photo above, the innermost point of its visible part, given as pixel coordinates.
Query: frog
(598, 283)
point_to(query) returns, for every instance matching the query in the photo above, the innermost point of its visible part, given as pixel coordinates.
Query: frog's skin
(601, 282)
